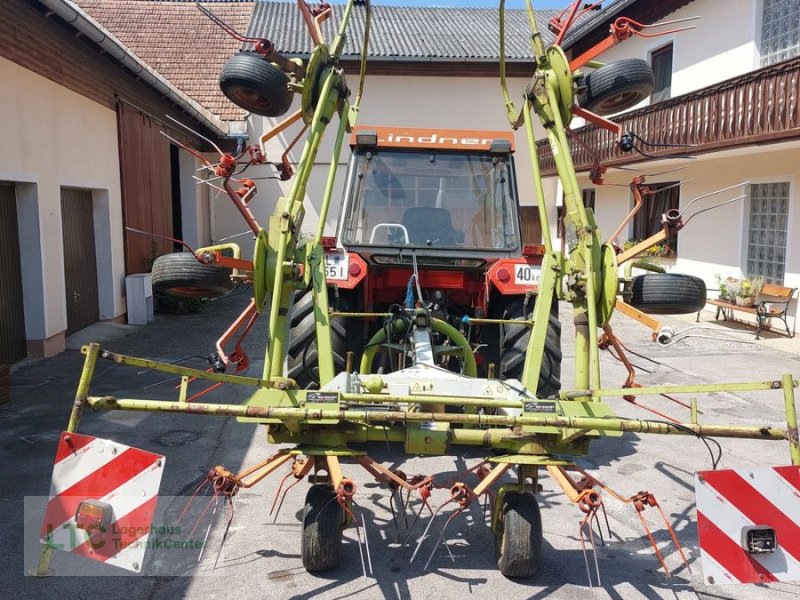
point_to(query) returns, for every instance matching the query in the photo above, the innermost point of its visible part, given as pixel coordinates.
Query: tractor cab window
(432, 199)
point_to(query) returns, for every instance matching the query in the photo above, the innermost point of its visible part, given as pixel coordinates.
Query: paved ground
(261, 559)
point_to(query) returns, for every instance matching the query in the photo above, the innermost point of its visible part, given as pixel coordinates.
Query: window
(647, 222)
(766, 244)
(661, 61)
(780, 31)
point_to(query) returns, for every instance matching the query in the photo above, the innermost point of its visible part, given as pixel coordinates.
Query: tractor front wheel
(514, 347)
(302, 359)
(519, 545)
(321, 544)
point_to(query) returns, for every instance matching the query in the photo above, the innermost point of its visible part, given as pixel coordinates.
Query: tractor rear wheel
(617, 86)
(519, 546)
(181, 274)
(302, 356)
(514, 347)
(321, 544)
(253, 83)
(668, 294)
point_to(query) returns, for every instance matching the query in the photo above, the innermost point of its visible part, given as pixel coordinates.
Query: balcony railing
(759, 107)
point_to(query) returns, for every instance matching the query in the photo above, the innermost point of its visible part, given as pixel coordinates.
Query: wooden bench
(772, 303)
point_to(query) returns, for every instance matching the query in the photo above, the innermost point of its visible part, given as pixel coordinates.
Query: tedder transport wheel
(668, 294)
(519, 545)
(256, 85)
(302, 353)
(181, 274)
(321, 543)
(514, 347)
(617, 86)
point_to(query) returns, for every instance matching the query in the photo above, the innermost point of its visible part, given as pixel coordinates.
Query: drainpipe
(93, 30)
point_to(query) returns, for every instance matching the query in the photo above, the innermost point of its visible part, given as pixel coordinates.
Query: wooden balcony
(760, 107)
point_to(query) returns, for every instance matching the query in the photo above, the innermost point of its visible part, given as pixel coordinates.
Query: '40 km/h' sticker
(336, 266)
(527, 274)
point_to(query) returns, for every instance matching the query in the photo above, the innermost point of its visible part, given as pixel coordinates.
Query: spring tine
(585, 556)
(277, 493)
(360, 549)
(414, 522)
(594, 549)
(210, 522)
(440, 539)
(224, 535)
(674, 537)
(394, 516)
(366, 536)
(203, 514)
(653, 543)
(283, 497)
(204, 483)
(605, 515)
(425, 533)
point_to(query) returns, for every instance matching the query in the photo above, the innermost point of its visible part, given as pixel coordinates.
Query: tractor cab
(446, 194)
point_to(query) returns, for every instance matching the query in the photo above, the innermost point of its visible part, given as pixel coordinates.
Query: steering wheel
(399, 226)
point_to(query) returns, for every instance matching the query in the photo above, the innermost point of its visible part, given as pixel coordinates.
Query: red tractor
(429, 218)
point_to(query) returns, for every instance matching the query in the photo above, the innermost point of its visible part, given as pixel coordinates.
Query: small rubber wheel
(321, 544)
(253, 83)
(668, 294)
(181, 274)
(514, 347)
(519, 546)
(617, 86)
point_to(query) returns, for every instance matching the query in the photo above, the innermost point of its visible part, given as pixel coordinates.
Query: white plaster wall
(723, 44)
(716, 241)
(447, 102)
(52, 137)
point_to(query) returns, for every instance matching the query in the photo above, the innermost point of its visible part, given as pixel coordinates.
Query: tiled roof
(179, 42)
(410, 33)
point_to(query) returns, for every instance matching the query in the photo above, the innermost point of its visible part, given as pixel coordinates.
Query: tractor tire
(181, 274)
(301, 358)
(617, 86)
(253, 83)
(514, 347)
(668, 294)
(519, 546)
(321, 544)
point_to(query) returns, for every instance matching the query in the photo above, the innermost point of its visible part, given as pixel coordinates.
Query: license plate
(336, 266)
(527, 274)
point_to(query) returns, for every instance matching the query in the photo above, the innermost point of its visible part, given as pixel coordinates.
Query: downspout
(85, 24)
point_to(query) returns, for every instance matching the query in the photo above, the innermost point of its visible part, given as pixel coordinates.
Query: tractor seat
(428, 226)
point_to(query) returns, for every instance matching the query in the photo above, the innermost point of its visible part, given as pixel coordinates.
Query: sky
(473, 3)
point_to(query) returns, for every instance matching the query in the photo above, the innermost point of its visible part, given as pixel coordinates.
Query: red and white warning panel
(749, 524)
(102, 500)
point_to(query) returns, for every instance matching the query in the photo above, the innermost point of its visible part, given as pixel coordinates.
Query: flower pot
(741, 301)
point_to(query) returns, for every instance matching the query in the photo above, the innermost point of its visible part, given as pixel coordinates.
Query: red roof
(178, 41)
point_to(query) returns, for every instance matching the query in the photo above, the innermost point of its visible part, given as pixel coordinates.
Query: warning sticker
(540, 407)
(322, 398)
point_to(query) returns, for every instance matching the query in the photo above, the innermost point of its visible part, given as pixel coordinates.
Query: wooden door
(80, 261)
(146, 188)
(531, 227)
(13, 347)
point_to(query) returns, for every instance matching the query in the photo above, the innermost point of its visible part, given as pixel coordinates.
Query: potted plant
(724, 286)
(748, 290)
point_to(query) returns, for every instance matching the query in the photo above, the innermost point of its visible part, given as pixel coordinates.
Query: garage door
(80, 261)
(12, 314)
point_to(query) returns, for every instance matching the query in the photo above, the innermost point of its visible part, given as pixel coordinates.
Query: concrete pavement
(261, 559)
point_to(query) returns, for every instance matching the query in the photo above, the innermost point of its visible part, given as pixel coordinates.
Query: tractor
(429, 219)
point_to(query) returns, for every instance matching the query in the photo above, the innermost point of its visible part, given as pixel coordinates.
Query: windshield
(431, 199)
